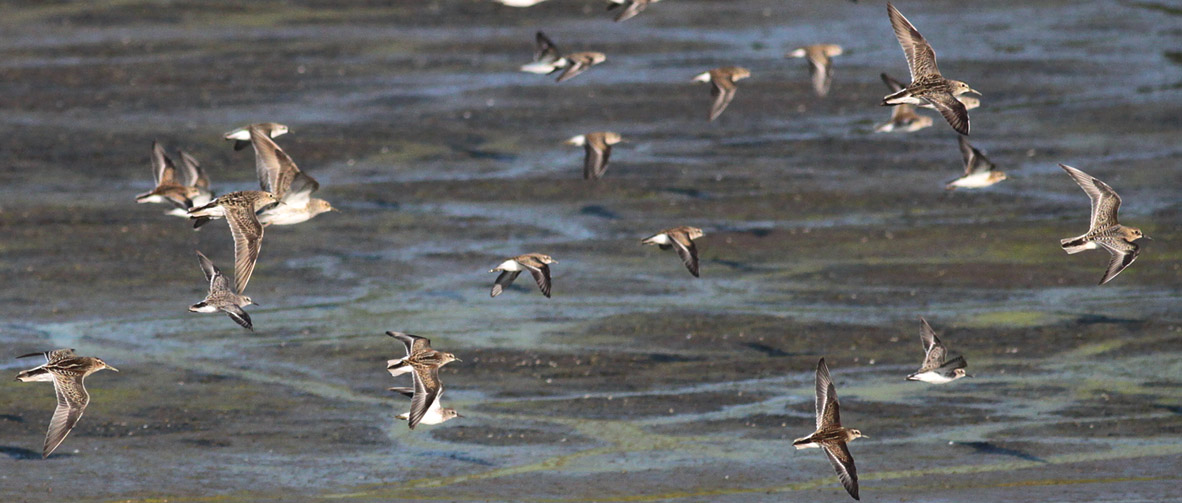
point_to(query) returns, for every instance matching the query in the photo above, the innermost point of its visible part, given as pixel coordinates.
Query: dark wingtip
(240, 144)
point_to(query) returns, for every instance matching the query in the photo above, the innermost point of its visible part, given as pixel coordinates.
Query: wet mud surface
(636, 381)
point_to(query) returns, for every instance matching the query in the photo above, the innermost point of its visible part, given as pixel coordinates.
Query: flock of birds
(285, 198)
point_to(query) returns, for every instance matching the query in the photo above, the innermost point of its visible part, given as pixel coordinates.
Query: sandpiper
(978, 171)
(681, 238)
(170, 188)
(631, 7)
(241, 136)
(927, 85)
(830, 435)
(1105, 231)
(423, 364)
(936, 369)
(279, 175)
(220, 297)
(548, 59)
(903, 117)
(434, 414)
(723, 87)
(598, 148)
(820, 57)
(67, 372)
(537, 264)
(238, 208)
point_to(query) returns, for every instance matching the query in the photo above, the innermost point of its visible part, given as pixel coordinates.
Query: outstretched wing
(920, 56)
(934, 349)
(952, 109)
(414, 344)
(503, 281)
(723, 91)
(1123, 254)
(71, 402)
(546, 51)
(1105, 201)
(541, 275)
(827, 408)
(843, 463)
(686, 250)
(248, 238)
(634, 8)
(595, 162)
(427, 390)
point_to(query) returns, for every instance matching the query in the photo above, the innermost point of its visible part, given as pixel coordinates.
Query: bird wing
(1105, 201)
(952, 109)
(920, 56)
(1123, 254)
(843, 463)
(406, 392)
(278, 174)
(541, 273)
(634, 8)
(71, 402)
(248, 238)
(163, 170)
(239, 316)
(827, 408)
(577, 65)
(207, 267)
(427, 389)
(723, 91)
(546, 51)
(598, 154)
(503, 281)
(974, 161)
(686, 250)
(54, 356)
(194, 175)
(822, 72)
(934, 349)
(414, 344)
(893, 84)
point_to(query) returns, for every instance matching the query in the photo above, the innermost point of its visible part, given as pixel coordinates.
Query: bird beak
(1147, 237)
(865, 435)
(492, 270)
(459, 415)
(968, 375)
(459, 360)
(253, 303)
(112, 369)
(974, 91)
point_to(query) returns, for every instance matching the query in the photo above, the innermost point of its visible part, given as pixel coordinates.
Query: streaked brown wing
(827, 413)
(723, 91)
(413, 343)
(1123, 254)
(920, 56)
(238, 315)
(163, 169)
(207, 267)
(248, 238)
(686, 250)
(194, 175)
(1105, 201)
(72, 399)
(546, 51)
(503, 281)
(952, 109)
(843, 463)
(427, 389)
(54, 356)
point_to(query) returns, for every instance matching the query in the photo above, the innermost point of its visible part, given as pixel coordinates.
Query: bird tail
(1074, 245)
(893, 98)
(802, 443)
(34, 375)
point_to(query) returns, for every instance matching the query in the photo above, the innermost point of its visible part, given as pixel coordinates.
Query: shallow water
(636, 382)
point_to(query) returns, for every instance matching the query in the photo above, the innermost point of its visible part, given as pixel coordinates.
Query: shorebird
(279, 175)
(548, 59)
(723, 87)
(830, 435)
(238, 208)
(220, 297)
(67, 372)
(519, 3)
(903, 117)
(927, 85)
(170, 188)
(598, 148)
(978, 171)
(537, 264)
(434, 414)
(423, 364)
(681, 238)
(820, 57)
(1105, 231)
(631, 7)
(935, 369)
(241, 136)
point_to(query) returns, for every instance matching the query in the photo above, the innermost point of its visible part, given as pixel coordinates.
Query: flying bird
(830, 435)
(820, 58)
(241, 136)
(631, 7)
(722, 86)
(171, 188)
(936, 368)
(1104, 231)
(598, 148)
(67, 372)
(682, 238)
(537, 264)
(238, 208)
(548, 59)
(422, 362)
(279, 175)
(927, 85)
(220, 296)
